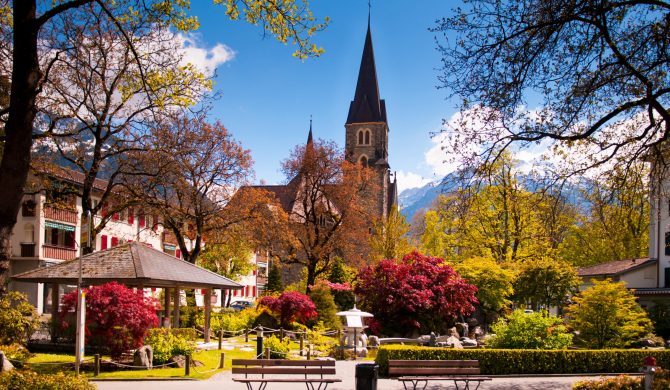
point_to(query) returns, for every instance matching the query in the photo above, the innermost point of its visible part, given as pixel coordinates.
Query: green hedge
(530, 361)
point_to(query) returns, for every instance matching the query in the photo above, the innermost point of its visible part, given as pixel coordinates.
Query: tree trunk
(311, 274)
(15, 162)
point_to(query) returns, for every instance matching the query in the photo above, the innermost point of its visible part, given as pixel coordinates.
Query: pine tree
(274, 284)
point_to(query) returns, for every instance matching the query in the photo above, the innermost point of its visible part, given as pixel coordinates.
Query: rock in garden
(463, 329)
(144, 357)
(373, 342)
(180, 361)
(476, 333)
(5, 364)
(451, 332)
(468, 342)
(424, 340)
(454, 342)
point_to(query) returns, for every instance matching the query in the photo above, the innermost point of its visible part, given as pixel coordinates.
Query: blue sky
(268, 95)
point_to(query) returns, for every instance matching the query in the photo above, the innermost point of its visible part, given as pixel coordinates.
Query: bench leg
(261, 386)
(466, 385)
(310, 386)
(415, 384)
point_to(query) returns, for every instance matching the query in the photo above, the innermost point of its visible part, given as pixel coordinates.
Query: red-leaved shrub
(417, 293)
(116, 316)
(289, 307)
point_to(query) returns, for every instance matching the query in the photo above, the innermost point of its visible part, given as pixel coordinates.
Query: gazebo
(135, 265)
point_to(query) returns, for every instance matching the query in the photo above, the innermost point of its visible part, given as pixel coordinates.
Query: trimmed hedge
(530, 361)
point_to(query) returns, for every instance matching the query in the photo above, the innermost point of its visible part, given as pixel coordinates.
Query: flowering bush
(290, 306)
(417, 293)
(116, 316)
(166, 343)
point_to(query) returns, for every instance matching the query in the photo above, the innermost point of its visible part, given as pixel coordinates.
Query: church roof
(367, 106)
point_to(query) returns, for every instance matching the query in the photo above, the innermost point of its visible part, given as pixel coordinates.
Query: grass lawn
(210, 359)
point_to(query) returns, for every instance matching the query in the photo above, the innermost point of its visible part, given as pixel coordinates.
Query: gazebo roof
(132, 264)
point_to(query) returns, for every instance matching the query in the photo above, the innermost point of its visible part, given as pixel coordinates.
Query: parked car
(241, 305)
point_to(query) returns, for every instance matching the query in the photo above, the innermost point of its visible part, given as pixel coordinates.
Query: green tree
(288, 21)
(616, 226)
(389, 239)
(494, 283)
(435, 239)
(274, 284)
(539, 330)
(545, 281)
(342, 274)
(325, 307)
(607, 315)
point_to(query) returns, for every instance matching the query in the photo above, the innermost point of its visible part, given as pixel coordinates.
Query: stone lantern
(353, 327)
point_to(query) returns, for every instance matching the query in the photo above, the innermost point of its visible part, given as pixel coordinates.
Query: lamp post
(81, 304)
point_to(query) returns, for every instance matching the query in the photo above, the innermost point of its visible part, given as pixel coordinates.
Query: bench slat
(445, 378)
(283, 370)
(433, 363)
(283, 363)
(433, 371)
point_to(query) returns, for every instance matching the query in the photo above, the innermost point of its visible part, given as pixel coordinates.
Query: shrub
(659, 314)
(20, 380)
(325, 306)
(538, 330)
(290, 306)
(230, 320)
(621, 382)
(279, 348)
(418, 293)
(530, 361)
(116, 316)
(607, 315)
(166, 344)
(18, 318)
(321, 343)
(16, 352)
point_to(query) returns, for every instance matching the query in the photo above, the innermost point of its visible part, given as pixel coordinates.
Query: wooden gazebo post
(177, 303)
(208, 311)
(55, 302)
(166, 307)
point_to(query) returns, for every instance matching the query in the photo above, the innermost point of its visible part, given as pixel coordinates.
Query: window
(667, 243)
(262, 269)
(141, 218)
(29, 233)
(170, 249)
(322, 221)
(58, 234)
(364, 161)
(367, 137)
(360, 137)
(28, 208)
(364, 136)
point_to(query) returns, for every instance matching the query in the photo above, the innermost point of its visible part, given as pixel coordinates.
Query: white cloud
(205, 59)
(407, 180)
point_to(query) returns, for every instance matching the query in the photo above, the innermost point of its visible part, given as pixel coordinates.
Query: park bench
(309, 372)
(423, 371)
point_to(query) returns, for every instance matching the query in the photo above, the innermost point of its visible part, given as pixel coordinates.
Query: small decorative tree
(274, 284)
(289, 307)
(340, 284)
(18, 318)
(116, 316)
(607, 315)
(417, 293)
(538, 330)
(322, 297)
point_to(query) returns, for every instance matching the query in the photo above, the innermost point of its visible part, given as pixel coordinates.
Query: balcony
(62, 215)
(28, 249)
(59, 253)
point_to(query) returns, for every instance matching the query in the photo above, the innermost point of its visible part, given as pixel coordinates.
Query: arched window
(367, 137)
(364, 161)
(360, 137)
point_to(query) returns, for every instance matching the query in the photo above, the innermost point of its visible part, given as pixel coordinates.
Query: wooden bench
(423, 371)
(309, 372)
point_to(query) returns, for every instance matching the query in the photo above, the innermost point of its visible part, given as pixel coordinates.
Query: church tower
(367, 131)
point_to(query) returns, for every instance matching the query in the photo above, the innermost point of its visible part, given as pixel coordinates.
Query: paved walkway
(345, 370)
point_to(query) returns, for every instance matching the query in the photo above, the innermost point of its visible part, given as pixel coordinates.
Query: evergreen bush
(21, 380)
(167, 343)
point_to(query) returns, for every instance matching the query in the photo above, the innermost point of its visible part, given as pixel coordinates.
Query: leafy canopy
(18, 318)
(607, 316)
(290, 306)
(416, 293)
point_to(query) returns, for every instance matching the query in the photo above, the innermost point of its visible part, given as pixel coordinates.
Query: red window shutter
(254, 272)
(247, 292)
(115, 241)
(178, 254)
(141, 219)
(155, 219)
(131, 216)
(115, 216)
(103, 242)
(203, 291)
(104, 209)
(254, 291)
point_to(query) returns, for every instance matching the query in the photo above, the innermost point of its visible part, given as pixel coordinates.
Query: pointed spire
(367, 106)
(309, 136)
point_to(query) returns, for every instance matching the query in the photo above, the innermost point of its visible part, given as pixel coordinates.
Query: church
(366, 143)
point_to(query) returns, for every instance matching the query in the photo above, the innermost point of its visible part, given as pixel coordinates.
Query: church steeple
(367, 106)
